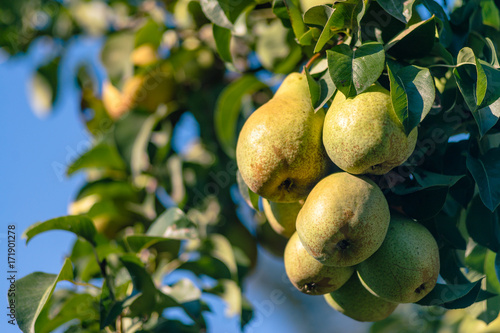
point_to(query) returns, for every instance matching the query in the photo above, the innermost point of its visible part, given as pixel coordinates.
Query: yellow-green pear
(309, 275)
(344, 220)
(363, 134)
(406, 267)
(282, 215)
(280, 154)
(354, 301)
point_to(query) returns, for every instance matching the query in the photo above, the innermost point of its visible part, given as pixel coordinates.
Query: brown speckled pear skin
(344, 220)
(406, 267)
(282, 216)
(354, 301)
(280, 153)
(363, 135)
(310, 276)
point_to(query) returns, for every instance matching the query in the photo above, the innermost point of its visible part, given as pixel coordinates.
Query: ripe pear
(354, 301)
(280, 154)
(282, 216)
(406, 267)
(145, 90)
(344, 220)
(363, 134)
(144, 55)
(309, 275)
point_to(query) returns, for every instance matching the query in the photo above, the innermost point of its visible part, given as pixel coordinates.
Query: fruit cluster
(344, 242)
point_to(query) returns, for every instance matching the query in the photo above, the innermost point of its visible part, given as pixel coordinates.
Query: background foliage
(149, 208)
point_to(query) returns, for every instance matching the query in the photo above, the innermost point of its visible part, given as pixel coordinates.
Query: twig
(309, 63)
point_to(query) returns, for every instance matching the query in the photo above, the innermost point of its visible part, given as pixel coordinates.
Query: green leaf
(314, 88)
(327, 89)
(486, 172)
(222, 37)
(115, 54)
(476, 258)
(82, 307)
(492, 271)
(414, 42)
(452, 296)
(483, 225)
(398, 9)
(251, 198)
(228, 109)
(101, 156)
(33, 292)
(139, 242)
(108, 189)
(126, 131)
(149, 33)
(151, 299)
(80, 225)
(353, 72)
(332, 20)
(412, 94)
(490, 14)
(220, 248)
(487, 117)
(298, 26)
(223, 12)
(173, 224)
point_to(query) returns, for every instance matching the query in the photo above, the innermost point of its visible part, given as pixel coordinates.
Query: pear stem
(309, 63)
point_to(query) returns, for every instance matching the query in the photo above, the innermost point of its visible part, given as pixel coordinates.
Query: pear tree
(356, 141)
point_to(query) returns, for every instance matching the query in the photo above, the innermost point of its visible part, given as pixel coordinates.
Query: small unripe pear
(344, 220)
(363, 134)
(280, 154)
(309, 275)
(406, 267)
(354, 301)
(282, 216)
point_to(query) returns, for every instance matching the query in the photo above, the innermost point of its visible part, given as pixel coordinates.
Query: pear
(344, 220)
(280, 154)
(363, 134)
(310, 276)
(406, 267)
(146, 90)
(282, 216)
(354, 301)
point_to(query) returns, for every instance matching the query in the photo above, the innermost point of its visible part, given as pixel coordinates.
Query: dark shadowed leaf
(483, 225)
(452, 296)
(414, 42)
(486, 172)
